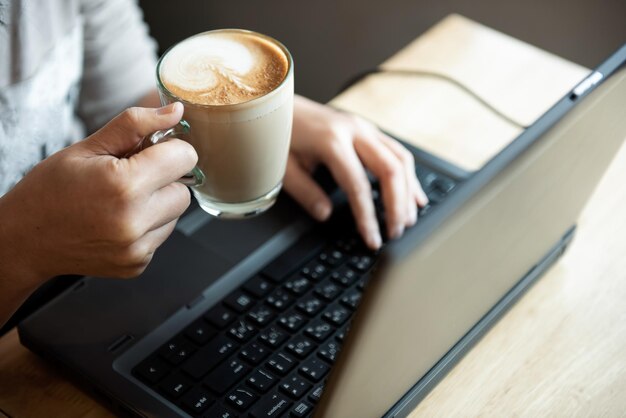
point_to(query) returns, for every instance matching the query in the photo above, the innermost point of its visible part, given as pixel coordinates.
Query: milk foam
(222, 68)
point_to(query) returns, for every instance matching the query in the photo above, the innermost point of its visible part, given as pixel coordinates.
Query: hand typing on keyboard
(348, 146)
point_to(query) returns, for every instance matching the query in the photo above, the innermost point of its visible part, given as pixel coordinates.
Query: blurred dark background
(331, 40)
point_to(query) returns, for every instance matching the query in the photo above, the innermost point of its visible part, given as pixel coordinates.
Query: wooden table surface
(561, 350)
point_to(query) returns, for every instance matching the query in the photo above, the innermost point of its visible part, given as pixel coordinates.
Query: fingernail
(374, 240)
(321, 211)
(166, 110)
(396, 231)
(412, 215)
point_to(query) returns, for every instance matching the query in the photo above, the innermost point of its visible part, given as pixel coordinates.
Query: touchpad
(234, 240)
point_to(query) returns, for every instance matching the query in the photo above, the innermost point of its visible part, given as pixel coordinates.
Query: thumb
(124, 132)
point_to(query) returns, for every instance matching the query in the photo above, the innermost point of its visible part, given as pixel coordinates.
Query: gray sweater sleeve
(119, 60)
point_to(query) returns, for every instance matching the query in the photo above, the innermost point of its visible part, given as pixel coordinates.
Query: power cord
(424, 73)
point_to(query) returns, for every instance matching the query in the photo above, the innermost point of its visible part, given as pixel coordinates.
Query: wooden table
(561, 350)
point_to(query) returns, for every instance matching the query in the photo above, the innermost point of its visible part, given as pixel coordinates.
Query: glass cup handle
(195, 177)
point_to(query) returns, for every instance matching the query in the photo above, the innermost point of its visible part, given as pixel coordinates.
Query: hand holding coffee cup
(237, 90)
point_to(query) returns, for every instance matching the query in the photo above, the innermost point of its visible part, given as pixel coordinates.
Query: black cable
(423, 73)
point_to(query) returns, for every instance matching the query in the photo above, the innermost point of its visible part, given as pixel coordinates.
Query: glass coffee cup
(237, 90)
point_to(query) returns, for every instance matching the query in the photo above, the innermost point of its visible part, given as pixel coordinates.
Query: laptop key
(292, 321)
(310, 305)
(443, 185)
(254, 353)
(315, 270)
(182, 354)
(261, 315)
(341, 335)
(239, 301)
(197, 400)
(345, 276)
(332, 257)
(274, 337)
(171, 346)
(314, 369)
(241, 398)
(316, 394)
(220, 316)
(300, 346)
(219, 411)
(351, 299)
(175, 385)
(261, 380)
(152, 370)
(336, 315)
(302, 409)
(424, 210)
(280, 299)
(347, 245)
(226, 375)
(298, 285)
(427, 180)
(210, 356)
(281, 363)
(329, 351)
(295, 386)
(319, 330)
(200, 332)
(328, 290)
(435, 197)
(177, 350)
(273, 405)
(242, 331)
(258, 286)
(361, 262)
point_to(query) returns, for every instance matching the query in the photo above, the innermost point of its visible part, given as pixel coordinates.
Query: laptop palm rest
(235, 240)
(140, 304)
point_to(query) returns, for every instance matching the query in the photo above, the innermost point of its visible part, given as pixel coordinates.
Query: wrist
(18, 273)
(18, 263)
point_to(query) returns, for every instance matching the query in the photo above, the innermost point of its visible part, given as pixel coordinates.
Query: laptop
(277, 316)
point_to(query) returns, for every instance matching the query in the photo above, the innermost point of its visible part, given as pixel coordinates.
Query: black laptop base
(421, 389)
(266, 348)
(256, 362)
(314, 292)
(235, 368)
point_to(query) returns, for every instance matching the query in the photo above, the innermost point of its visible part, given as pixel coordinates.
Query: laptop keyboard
(266, 348)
